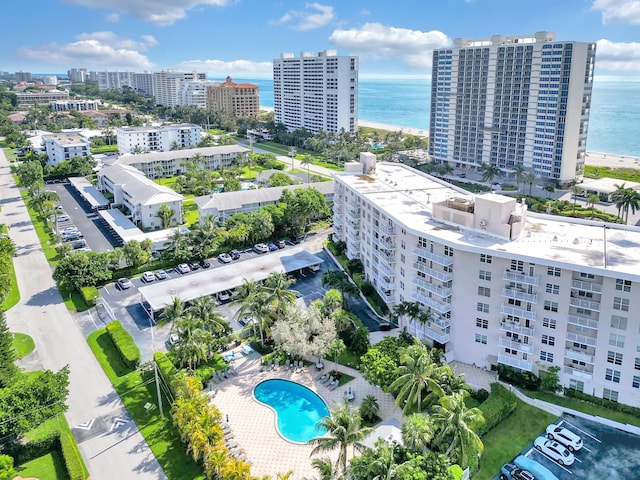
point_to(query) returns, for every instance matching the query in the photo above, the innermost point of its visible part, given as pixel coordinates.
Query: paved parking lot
(607, 454)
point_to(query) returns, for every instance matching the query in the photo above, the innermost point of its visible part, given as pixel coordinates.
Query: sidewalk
(120, 453)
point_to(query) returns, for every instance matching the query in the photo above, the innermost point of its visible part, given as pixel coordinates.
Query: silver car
(565, 436)
(554, 450)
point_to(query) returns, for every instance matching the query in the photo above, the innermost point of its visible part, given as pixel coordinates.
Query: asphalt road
(120, 453)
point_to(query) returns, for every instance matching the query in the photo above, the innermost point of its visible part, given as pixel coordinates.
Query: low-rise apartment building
(173, 163)
(78, 105)
(36, 98)
(157, 138)
(65, 146)
(139, 195)
(502, 285)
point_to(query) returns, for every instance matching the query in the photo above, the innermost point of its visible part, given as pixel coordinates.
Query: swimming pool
(298, 409)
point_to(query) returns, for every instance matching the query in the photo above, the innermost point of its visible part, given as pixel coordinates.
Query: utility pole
(292, 152)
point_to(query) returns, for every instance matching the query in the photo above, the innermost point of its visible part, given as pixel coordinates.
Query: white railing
(588, 304)
(424, 331)
(353, 203)
(387, 244)
(386, 229)
(586, 286)
(385, 282)
(520, 277)
(515, 362)
(583, 321)
(386, 269)
(521, 347)
(430, 287)
(441, 259)
(515, 328)
(576, 372)
(430, 302)
(518, 295)
(388, 295)
(338, 220)
(517, 312)
(578, 355)
(574, 337)
(439, 274)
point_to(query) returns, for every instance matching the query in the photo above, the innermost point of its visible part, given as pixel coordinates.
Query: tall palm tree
(344, 429)
(254, 303)
(519, 171)
(40, 201)
(307, 160)
(592, 199)
(489, 172)
(340, 281)
(325, 468)
(576, 192)
(631, 201)
(279, 294)
(417, 433)
(192, 347)
(456, 425)
(528, 178)
(173, 312)
(412, 311)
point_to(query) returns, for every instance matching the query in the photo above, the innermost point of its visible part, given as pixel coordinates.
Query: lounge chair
(323, 376)
(276, 364)
(270, 365)
(214, 379)
(232, 444)
(219, 377)
(333, 386)
(329, 380)
(288, 364)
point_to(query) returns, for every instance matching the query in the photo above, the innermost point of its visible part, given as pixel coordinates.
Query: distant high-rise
(234, 99)
(141, 82)
(77, 75)
(513, 101)
(166, 85)
(316, 92)
(23, 76)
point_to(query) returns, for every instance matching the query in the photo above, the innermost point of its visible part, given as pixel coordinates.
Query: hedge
(72, 459)
(167, 370)
(89, 294)
(124, 343)
(455, 472)
(500, 404)
(602, 402)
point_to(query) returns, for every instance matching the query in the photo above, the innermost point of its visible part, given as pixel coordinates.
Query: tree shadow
(50, 296)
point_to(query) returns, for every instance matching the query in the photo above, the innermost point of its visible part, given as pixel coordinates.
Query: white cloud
(221, 68)
(617, 56)
(314, 16)
(624, 11)
(113, 18)
(414, 47)
(95, 50)
(161, 12)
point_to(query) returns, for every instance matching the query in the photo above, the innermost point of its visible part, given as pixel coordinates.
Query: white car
(261, 248)
(148, 277)
(183, 268)
(224, 296)
(554, 450)
(565, 436)
(224, 258)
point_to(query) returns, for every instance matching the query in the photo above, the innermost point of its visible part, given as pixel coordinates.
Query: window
(548, 340)
(483, 307)
(484, 291)
(636, 381)
(616, 340)
(551, 288)
(637, 363)
(612, 375)
(549, 323)
(402, 258)
(448, 251)
(481, 339)
(484, 275)
(551, 306)
(618, 322)
(546, 356)
(517, 265)
(623, 285)
(621, 304)
(611, 395)
(589, 276)
(482, 323)
(485, 258)
(576, 385)
(554, 271)
(401, 285)
(614, 357)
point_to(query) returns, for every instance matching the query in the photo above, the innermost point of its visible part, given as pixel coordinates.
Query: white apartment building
(140, 195)
(173, 163)
(78, 105)
(33, 98)
(157, 138)
(502, 285)
(316, 92)
(141, 82)
(166, 85)
(77, 75)
(513, 100)
(65, 146)
(193, 93)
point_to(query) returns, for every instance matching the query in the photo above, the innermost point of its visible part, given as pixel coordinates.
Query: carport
(90, 194)
(156, 297)
(125, 230)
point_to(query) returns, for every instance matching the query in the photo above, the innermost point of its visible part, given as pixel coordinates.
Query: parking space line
(580, 430)
(585, 448)
(547, 456)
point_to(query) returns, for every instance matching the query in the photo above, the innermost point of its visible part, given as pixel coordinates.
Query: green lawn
(23, 344)
(14, 294)
(625, 174)
(48, 467)
(46, 429)
(166, 182)
(136, 390)
(190, 210)
(347, 358)
(8, 152)
(215, 131)
(46, 237)
(510, 437)
(585, 407)
(105, 149)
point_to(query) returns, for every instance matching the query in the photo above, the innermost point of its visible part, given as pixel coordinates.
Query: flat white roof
(214, 280)
(606, 185)
(407, 195)
(90, 193)
(127, 230)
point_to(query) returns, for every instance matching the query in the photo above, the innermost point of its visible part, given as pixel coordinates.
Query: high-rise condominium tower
(513, 101)
(316, 92)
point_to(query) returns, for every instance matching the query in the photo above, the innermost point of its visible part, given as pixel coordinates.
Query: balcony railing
(426, 331)
(338, 220)
(574, 337)
(583, 321)
(386, 229)
(588, 304)
(430, 287)
(354, 214)
(518, 295)
(516, 362)
(430, 302)
(579, 355)
(516, 328)
(388, 295)
(576, 372)
(514, 345)
(439, 274)
(517, 312)
(386, 269)
(442, 260)
(388, 244)
(520, 277)
(385, 282)
(586, 286)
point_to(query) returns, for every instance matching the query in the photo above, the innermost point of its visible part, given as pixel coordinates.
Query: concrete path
(119, 453)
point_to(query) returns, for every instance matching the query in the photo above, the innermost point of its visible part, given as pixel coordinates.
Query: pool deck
(254, 425)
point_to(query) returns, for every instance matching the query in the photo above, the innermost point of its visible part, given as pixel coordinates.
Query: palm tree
(236, 469)
(324, 466)
(41, 201)
(165, 214)
(489, 172)
(204, 309)
(631, 201)
(254, 303)
(519, 171)
(279, 295)
(592, 199)
(529, 178)
(417, 433)
(369, 408)
(173, 312)
(307, 160)
(455, 425)
(412, 311)
(344, 429)
(576, 192)
(340, 281)
(192, 347)
(215, 461)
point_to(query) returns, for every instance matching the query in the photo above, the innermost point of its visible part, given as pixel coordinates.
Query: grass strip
(22, 344)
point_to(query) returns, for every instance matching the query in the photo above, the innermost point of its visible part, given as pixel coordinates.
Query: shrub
(124, 343)
(367, 288)
(89, 294)
(455, 471)
(166, 368)
(72, 460)
(499, 405)
(480, 395)
(518, 378)
(602, 402)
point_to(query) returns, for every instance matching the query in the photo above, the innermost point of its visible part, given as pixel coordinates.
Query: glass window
(551, 288)
(636, 381)
(614, 357)
(482, 323)
(623, 285)
(483, 307)
(616, 340)
(554, 271)
(485, 258)
(548, 340)
(549, 323)
(621, 304)
(484, 291)
(611, 395)
(546, 356)
(618, 322)
(481, 339)
(612, 375)
(484, 275)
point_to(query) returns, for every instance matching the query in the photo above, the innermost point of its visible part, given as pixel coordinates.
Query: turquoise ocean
(614, 123)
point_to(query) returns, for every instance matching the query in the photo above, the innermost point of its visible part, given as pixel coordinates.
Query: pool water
(298, 409)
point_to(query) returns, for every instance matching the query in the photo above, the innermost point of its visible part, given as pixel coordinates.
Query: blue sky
(241, 37)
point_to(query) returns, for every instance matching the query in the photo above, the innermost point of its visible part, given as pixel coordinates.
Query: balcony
(386, 229)
(354, 237)
(386, 269)
(338, 208)
(516, 362)
(519, 277)
(440, 259)
(574, 337)
(586, 286)
(430, 287)
(387, 243)
(516, 294)
(515, 345)
(579, 355)
(576, 372)
(517, 312)
(388, 295)
(513, 327)
(587, 304)
(353, 203)
(338, 220)
(439, 274)
(354, 214)
(439, 307)
(427, 330)
(385, 282)
(583, 321)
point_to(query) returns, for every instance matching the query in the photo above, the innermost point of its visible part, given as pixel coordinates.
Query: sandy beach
(612, 160)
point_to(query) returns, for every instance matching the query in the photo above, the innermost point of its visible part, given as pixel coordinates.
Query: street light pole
(292, 152)
(155, 369)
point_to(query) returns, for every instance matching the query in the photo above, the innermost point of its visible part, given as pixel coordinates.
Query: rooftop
(155, 128)
(130, 159)
(142, 189)
(408, 196)
(66, 139)
(89, 192)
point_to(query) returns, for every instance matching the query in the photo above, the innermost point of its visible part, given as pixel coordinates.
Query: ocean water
(613, 125)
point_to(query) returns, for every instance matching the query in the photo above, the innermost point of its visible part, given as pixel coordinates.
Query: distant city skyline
(241, 38)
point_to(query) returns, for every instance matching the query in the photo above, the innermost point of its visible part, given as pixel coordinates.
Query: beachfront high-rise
(513, 100)
(316, 92)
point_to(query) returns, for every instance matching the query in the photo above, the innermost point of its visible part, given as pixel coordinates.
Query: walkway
(122, 452)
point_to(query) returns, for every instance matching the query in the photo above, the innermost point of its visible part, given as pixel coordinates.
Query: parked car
(554, 450)
(315, 268)
(205, 263)
(76, 244)
(235, 254)
(82, 249)
(63, 218)
(565, 436)
(281, 243)
(510, 472)
(124, 283)
(224, 258)
(69, 237)
(244, 320)
(224, 297)
(59, 208)
(172, 340)
(183, 268)
(260, 248)
(272, 247)
(161, 274)
(193, 265)
(148, 277)
(539, 472)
